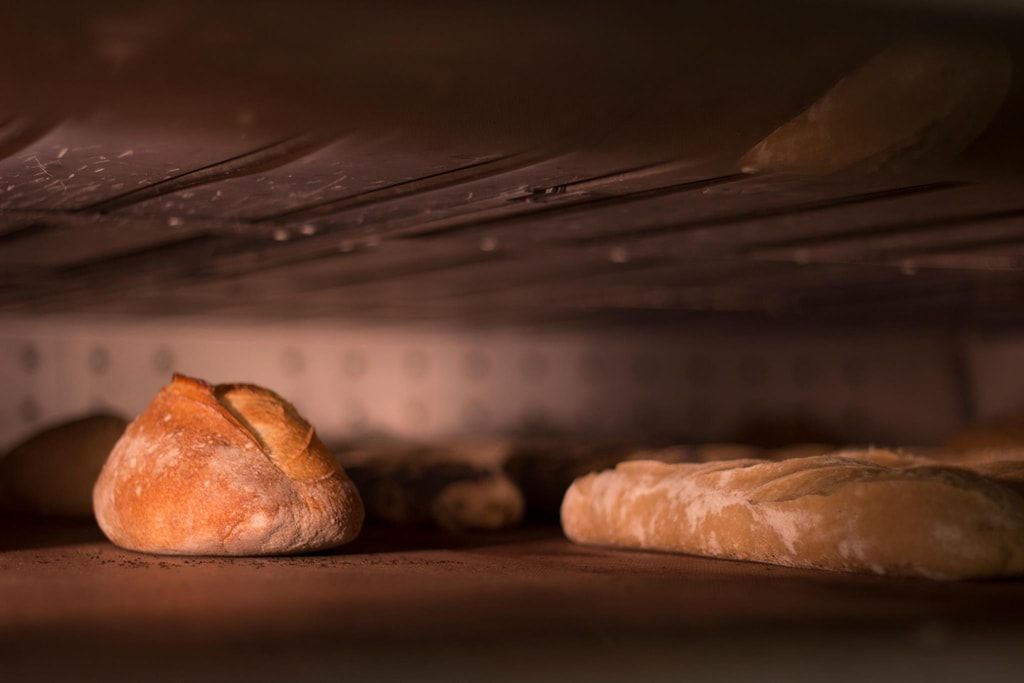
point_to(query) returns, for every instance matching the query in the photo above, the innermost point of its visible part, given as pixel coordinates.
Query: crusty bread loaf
(867, 511)
(916, 101)
(454, 486)
(1005, 465)
(224, 470)
(491, 502)
(1007, 472)
(53, 472)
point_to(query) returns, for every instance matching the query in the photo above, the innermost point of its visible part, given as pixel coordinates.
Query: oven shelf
(500, 605)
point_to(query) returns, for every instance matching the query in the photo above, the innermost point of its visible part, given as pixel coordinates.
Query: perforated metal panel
(490, 165)
(685, 384)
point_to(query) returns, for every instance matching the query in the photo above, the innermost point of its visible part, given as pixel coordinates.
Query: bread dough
(231, 469)
(53, 472)
(923, 100)
(866, 511)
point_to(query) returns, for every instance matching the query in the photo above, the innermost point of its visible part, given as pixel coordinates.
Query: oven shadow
(18, 532)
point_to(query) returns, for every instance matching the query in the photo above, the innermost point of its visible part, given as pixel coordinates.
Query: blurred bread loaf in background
(52, 473)
(453, 485)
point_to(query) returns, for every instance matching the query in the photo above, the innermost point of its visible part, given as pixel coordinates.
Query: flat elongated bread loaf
(53, 472)
(866, 511)
(1007, 472)
(225, 470)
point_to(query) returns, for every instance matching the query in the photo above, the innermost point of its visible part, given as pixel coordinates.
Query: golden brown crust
(53, 472)
(225, 470)
(1007, 472)
(285, 436)
(869, 511)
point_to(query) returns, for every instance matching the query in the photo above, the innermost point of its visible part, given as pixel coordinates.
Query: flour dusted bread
(53, 472)
(866, 511)
(224, 470)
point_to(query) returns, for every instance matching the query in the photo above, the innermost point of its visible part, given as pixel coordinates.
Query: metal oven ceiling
(520, 164)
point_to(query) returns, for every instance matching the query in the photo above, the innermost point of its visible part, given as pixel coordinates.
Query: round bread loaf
(231, 469)
(53, 472)
(491, 502)
(454, 485)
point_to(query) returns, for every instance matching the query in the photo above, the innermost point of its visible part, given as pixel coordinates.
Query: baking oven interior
(533, 233)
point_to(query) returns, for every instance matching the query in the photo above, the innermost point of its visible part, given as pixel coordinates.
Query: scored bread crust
(231, 469)
(863, 511)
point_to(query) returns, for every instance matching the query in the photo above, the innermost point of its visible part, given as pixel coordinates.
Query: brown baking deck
(520, 604)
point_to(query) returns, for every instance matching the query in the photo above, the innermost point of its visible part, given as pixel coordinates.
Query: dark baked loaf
(53, 472)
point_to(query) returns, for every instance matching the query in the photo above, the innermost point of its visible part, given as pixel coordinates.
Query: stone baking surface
(497, 604)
